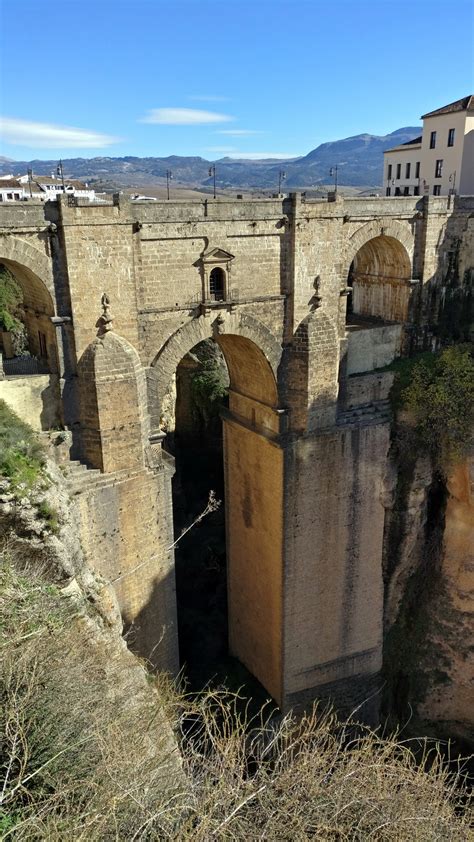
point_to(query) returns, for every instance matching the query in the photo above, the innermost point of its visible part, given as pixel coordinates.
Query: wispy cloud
(255, 156)
(208, 98)
(220, 149)
(184, 117)
(238, 132)
(48, 135)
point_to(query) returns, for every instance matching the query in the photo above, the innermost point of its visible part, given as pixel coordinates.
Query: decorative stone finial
(218, 325)
(105, 321)
(317, 299)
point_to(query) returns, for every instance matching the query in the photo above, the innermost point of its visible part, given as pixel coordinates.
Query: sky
(216, 78)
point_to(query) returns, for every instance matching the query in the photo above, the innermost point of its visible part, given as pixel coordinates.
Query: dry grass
(87, 752)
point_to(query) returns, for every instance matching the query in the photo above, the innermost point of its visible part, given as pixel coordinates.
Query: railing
(24, 365)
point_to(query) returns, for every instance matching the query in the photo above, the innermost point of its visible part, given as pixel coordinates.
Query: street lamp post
(212, 171)
(60, 171)
(333, 172)
(30, 177)
(281, 177)
(169, 176)
(452, 178)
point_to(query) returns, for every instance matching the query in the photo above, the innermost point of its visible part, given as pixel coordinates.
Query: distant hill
(359, 160)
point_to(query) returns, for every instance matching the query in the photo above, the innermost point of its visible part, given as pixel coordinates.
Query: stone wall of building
(35, 398)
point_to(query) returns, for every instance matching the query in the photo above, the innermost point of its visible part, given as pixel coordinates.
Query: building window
(389, 171)
(406, 191)
(416, 191)
(397, 191)
(437, 190)
(42, 345)
(439, 169)
(388, 191)
(451, 137)
(407, 170)
(9, 195)
(399, 170)
(417, 169)
(217, 284)
(433, 140)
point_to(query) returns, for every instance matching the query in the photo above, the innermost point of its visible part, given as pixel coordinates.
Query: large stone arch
(19, 254)
(262, 345)
(376, 228)
(33, 272)
(380, 272)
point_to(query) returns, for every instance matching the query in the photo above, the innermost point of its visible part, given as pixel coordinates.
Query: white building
(441, 160)
(47, 187)
(10, 189)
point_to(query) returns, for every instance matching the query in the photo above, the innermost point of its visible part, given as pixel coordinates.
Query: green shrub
(11, 297)
(49, 515)
(21, 454)
(440, 397)
(210, 384)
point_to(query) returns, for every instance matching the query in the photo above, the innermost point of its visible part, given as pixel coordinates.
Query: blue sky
(223, 77)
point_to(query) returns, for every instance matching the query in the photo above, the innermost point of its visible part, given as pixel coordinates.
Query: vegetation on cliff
(210, 383)
(78, 762)
(440, 397)
(11, 298)
(21, 455)
(433, 401)
(432, 434)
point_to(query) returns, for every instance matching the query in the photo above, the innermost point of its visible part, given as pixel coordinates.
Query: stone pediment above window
(217, 255)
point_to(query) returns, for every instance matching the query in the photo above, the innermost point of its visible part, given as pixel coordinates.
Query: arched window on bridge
(217, 284)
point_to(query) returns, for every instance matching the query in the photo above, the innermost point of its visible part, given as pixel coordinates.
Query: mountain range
(359, 160)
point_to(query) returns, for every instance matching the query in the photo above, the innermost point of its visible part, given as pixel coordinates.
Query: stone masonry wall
(333, 590)
(126, 527)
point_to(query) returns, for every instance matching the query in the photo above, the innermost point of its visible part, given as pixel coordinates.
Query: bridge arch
(238, 553)
(24, 258)
(380, 271)
(379, 228)
(32, 271)
(251, 351)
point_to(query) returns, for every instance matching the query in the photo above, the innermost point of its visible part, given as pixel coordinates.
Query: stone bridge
(307, 300)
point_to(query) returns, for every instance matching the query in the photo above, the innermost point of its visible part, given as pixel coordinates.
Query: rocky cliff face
(449, 698)
(429, 603)
(40, 541)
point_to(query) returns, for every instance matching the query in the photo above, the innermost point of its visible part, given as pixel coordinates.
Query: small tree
(441, 400)
(11, 298)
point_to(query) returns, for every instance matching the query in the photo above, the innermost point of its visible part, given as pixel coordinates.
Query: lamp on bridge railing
(281, 177)
(212, 172)
(333, 172)
(452, 180)
(169, 176)
(60, 172)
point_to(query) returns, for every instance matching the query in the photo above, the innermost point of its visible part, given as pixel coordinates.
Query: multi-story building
(47, 187)
(10, 189)
(441, 160)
